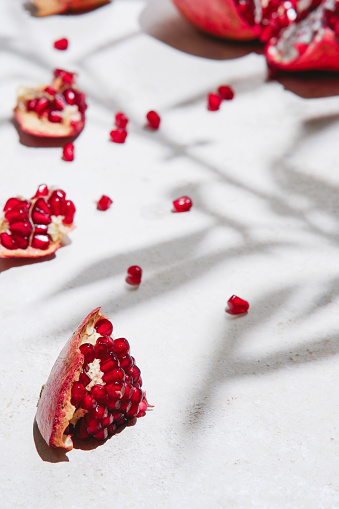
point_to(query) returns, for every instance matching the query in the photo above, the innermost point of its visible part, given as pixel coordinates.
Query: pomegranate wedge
(94, 388)
(56, 110)
(32, 228)
(49, 7)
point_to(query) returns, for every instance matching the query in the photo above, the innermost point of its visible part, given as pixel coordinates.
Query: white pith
(56, 229)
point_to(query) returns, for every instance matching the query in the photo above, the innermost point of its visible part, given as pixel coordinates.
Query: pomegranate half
(32, 228)
(49, 7)
(56, 110)
(94, 388)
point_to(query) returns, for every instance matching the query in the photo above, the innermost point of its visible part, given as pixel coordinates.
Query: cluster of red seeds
(55, 99)
(28, 220)
(119, 398)
(214, 100)
(119, 134)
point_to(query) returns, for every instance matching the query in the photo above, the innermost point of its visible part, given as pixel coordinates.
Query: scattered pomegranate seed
(104, 203)
(134, 274)
(68, 152)
(226, 92)
(182, 204)
(213, 102)
(104, 327)
(61, 44)
(118, 135)
(236, 305)
(121, 120)
(153, 120)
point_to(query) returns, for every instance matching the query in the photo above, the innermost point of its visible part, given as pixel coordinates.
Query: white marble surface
(246, 408)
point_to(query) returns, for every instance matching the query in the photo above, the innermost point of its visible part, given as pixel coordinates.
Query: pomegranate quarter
(94, 388)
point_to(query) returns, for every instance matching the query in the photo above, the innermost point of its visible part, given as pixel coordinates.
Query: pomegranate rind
(49, 7)
(55, 409)
(322, 54)
(220, 18)
(30, 123)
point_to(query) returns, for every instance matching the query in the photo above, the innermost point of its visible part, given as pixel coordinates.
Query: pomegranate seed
(42, 206)
(100, 412)
(68, 152)
(55, 204)
(126, 362)
(104, 327)
(41, 191)
(226, 92)
(41, 105)
(58, 193)
(132, 411)
(134, 274)
(31, 104)
(129, 389)
(66, 77)
(7, 241)
(21, 228)
(121, 347)
(41, 228)
(16, 214)
(11, 203)
(137, 395)
(107, 420)
(104, 203)
(117, 416)
(50, 91)
(135, 372)
(70, 96)
(99, 392)
(93, 426)
(68, 211)
(61, 44)
(213, 102)
(108, 365)
(87, 350)
(84, 379)
(114, 404)
(21, 242)
(40, 218)
(121, 120)
(112, 429)
(101, 435)
(101, 350)
(236, 305)
(58, 103)
(116, 375)
(118, 135)
(182, 204)
(82, 429)
(139, 381)
(88, 402)
(153, 120)
(125, 406)
(78, 391)
(116, 390)
(40, 242)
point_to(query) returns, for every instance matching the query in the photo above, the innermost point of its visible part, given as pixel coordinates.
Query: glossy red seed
(236, 305)
(84, 379)
(7, 241)
(101, 434)
(78, 391)
(116, 375)
(113, 404)
(50, 91)
(88, 402)
(41, 105)
(41, 191)
(134, 274)
(129, 389)
(40, 218)
(104, 327)
(92, 425)
(101, 350)
(137, 395)
(226, 92)
(58, 103)
(40, 228)
(116, 390)
(125, 406)
(70, 96)
(68, 152)
(118, 135)
(117, 416)
(132, 411)
(55, 204)
(142, 409)
(16, 214)
(112, 429)
(61, 44)
(54, 117)
(99, 412)
(99, 392)
(182, 204)
(108, 365)
(135, 372)
(59, 193)
(23, 228)
(42, 206)
(104, 203)
(31, 104)
(21, 242)
(11, 203)
(153, 120)
(107, 420)
(40, 242)
(213, 102)
(68, 211)
(87, 350)
(126, 362)
(121, 120)
(121, 347)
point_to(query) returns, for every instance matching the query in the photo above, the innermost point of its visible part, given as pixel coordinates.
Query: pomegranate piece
(61, 44)
(226, 92)
(237, 306)
(34, 228)
(118, 135)
(50, 7)
(104, 203)
(68, 152)
(213, 102)
(182, 204)
(67, 407)
(53, 111)
(153, 120)
(134, 275)
(121, 120)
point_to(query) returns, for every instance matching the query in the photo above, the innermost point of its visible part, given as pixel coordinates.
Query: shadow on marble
(11, 263)
(310, 84)
(47, 453)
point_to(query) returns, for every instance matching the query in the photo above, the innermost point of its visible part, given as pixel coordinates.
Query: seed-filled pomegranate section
(31, 228)
(94, 388)
(56, 110)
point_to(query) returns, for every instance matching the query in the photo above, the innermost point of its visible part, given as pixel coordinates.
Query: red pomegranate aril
(50, 91)
(182, 204)
(101, 435)
(139, 381)
(67, 208)
(113, 404)
(153, 120)
(61, 44)
(16, 214)
(121, 347)
(101, 351)
(137, 395)
(55, 117)
(40, 242)
(70, 96)
(121, 120)
(99, 412)
(135, 372)
(55, 204)
(125, 406)
(226, 92)
(107, 420)
(84, 379)
(99, 392)
(213, 102)
(87, 350)
(11, 203)
(92, 425)
(31, 104)
(21, 242)
(7, 241)
(66, 77)
(116, 375)
(104, 203)
(126, 362)
(111, 429)
(132, 411)
(108, 365)
(236, 305)
(78, 391)
(68, 152)
(118, 416)
(118, 135)
(21, 227)
(142, 408)
(58, 103)
(41, 105)
(41, 191)
(115, 391)
(42, 205)
(81, 429)
(40, 218)
(59, 193)
(129, 389)
(88, 402)
(134, 274)
(40, 228)
(104, 327)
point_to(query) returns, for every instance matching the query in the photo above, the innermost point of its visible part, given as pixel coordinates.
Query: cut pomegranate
(34, 228)
(236, 305)
(118, 135)
(68, 408)
(104, 203)
(121, 120)
(226, 92)
(134, 274)
(68, 152)
(182, 204)
(213, 102)
(61, 44)
(50, 7)
(153, 120)
(53, 111)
